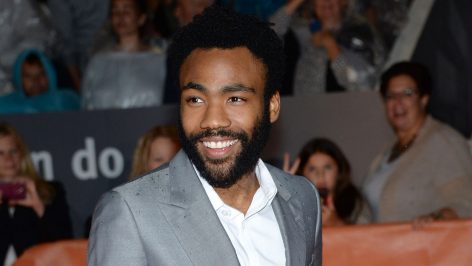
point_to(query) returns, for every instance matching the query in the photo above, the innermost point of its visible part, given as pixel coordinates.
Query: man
(36, 90)
(33, 76)
(216, 202)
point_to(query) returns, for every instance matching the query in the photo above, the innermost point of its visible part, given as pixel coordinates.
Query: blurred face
(125, 17)
(161, 151)
(34, 79)
(321, 170)
(329, 12)
(405, 108)
(187, 9)
(223, 118)
(9, 158)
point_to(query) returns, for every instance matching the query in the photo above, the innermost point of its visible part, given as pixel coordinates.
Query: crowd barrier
(64, 253)
(438, 244)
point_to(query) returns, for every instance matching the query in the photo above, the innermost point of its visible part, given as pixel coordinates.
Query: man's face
(34, 79)
(224, 123)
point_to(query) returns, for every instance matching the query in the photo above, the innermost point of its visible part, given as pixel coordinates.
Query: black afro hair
(219, 27)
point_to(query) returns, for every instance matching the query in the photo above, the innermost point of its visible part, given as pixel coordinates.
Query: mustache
(218, 133)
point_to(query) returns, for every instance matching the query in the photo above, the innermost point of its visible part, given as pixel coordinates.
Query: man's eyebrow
(194, 86)
(238, 88)
(228, 88)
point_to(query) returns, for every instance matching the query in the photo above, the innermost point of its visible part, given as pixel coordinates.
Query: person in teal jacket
(36, 90)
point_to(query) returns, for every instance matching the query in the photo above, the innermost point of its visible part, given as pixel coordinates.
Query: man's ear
(274, 107)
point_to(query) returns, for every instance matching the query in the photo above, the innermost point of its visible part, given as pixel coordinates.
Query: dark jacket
(26, 229)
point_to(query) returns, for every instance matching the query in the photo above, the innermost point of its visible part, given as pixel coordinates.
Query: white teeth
(219, 144)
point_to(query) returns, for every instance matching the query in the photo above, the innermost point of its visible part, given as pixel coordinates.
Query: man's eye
(194, 100)
(236, 99)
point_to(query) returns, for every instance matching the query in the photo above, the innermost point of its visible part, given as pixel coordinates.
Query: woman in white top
(130, 73)
(425, 174)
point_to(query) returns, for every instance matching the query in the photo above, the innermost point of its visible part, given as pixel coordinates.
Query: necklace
(398, 149)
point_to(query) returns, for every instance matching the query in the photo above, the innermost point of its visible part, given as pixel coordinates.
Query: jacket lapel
(194, 220)
(288, 212)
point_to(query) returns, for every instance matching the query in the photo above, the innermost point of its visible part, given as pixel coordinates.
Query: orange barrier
(441, 243)
(65, 252)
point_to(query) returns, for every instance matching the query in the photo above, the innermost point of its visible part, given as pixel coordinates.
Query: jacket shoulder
(148, 183)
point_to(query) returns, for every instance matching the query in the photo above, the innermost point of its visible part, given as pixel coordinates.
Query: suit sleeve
(114, 237)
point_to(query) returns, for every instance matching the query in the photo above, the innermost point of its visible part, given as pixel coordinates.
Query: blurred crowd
(423, 175)
(94, 54)
(67, 55)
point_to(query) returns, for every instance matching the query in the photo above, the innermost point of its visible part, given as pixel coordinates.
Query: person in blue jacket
(36, 90)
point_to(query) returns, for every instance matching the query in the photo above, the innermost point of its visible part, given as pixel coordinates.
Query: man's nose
(215, 117)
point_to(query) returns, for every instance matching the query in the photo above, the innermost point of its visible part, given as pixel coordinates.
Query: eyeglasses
(405, 94)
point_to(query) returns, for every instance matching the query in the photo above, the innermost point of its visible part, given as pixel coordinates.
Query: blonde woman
(154, 148)
(40, 214)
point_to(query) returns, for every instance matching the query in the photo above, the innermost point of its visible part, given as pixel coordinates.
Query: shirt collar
(266, 185)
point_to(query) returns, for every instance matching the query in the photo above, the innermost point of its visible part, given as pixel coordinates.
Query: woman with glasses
(426, 173)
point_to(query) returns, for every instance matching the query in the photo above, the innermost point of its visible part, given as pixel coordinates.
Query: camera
(13, 191)
(324, 192)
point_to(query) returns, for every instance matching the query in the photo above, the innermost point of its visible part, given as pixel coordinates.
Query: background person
(23, 25)
(129, 73)
(338, 50)
(43, 215)
(426, 173)
(156, 147)
(324, 164)
(78, 22)
(186, 10)
(36, 89)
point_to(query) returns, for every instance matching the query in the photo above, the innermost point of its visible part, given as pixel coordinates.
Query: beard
(223, 173)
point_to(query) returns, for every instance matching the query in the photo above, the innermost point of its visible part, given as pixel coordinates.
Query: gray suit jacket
(166, 218)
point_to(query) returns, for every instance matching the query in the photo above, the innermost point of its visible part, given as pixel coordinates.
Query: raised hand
(291, 169)
(32, 199)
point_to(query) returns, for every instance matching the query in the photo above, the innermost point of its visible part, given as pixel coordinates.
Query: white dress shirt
(255, 236)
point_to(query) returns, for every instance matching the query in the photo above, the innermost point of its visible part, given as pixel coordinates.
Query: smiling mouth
(400, 115)
(219, 144)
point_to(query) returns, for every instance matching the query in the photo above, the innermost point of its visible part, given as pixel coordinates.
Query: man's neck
(240, 195)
